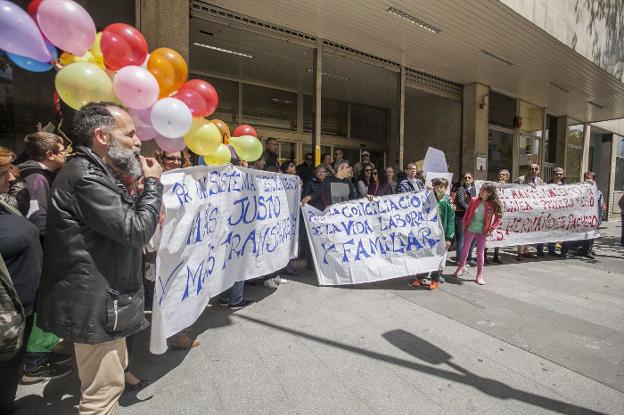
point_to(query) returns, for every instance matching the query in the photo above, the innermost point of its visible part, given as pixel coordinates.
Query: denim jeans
(234, 295)
(551, 248)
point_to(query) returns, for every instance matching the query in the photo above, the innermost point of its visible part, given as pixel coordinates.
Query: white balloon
(171, 117)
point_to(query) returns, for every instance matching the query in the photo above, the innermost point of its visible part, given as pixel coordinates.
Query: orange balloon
(225, 130)
(169, 69)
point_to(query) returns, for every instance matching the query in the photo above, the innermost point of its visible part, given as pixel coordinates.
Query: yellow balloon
(221, 156)
(247, 147)
(66, 58)
(203, 138)
(96, 52)
(82, 82)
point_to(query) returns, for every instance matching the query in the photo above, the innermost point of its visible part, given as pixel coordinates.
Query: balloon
(136, 87)
(122, 45)
(225, 130)
(32, 8)
(247, 147)
(170, 145)
(171, 117)
(244, 129)
(20, 35)
(203, 138)
(96, 51)
(33, 65)
(67, 25)
(142, 124)
(222, 155)
(169, 69)
(144, 64)
(207, 91)
(194, 101)
(81, 82)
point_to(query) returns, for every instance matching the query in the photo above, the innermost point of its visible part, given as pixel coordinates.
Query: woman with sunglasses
(379, 185)
(365, 179)
(175, 160)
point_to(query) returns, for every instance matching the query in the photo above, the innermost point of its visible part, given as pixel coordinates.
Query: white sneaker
(277, 279)
(270, 283)
(283, 281)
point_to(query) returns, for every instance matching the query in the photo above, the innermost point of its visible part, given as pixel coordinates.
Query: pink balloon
(136, 87)
(142, 127)
(20, 35)
(170, 145)
(66, 25)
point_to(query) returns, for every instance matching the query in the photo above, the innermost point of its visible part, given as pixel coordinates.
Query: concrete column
(401, 116)
(318, 90)
(474, 128)
(562, 141)
(165, 23)
(586, 141)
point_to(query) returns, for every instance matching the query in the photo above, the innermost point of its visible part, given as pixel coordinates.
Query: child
(447, 219)
(482, 217)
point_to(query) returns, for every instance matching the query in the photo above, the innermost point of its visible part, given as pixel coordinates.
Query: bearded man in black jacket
(91, 290)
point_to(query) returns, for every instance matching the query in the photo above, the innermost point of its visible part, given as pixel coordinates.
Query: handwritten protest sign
(222, 224)
(546, 213)
(361, 241)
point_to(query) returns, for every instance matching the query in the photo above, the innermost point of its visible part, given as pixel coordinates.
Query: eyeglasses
(467, 178)
(367, 170)
(174, 158)
(375, 172)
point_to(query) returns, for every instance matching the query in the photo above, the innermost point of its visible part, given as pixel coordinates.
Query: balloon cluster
(115, 65)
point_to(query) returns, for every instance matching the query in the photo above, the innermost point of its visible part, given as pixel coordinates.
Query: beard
(125, 159)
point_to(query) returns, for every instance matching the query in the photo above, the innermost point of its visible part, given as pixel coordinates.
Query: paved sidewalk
(542, 336)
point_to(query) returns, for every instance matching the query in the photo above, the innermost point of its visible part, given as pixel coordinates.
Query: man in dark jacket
(305, 170)
(91, 288)
(270, 155)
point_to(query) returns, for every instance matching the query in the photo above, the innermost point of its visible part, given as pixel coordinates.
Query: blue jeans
(234, 294)
(551, 248)
(459, 239)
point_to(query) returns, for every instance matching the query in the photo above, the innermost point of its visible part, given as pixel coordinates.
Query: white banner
(361, 241)
(547, 213)
(222, 224)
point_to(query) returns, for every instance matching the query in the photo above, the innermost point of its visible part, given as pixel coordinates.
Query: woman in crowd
(320, 172)
(463, 191)
(379, 185)
(482, 216)
(391, 175)
(364, 180)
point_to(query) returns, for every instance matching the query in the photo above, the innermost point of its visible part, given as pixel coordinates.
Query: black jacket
(305, 172)
(91, 287)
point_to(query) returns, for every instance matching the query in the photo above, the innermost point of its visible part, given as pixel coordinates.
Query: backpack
(12, 317)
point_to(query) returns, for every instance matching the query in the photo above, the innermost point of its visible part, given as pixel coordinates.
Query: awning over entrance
(469, 41)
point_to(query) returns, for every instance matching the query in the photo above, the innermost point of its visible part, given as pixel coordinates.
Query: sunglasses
(367, 170)
(467, 178)
(173, 158)
(375, 172)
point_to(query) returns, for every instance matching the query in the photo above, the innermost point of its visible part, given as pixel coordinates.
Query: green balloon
(247, 147)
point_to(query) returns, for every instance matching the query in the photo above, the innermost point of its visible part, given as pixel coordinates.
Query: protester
(621, 206)
(390, 174)
(338, 154)
(532, 179)
(445, 213)
(21, 251)
(560, 180)
(364, 159)
(46, 155)
(174, 160)
(379, 185)
(482, 216)
(259, 164)
(364, 180)
(271, 156)
(410, 183)
(288, 167)
(464, 191)
(503, 178)
(91, 287)
(305, 170)
(334, 189)
(18, 195)
(587, 246)
(314, 183)
(326, 161)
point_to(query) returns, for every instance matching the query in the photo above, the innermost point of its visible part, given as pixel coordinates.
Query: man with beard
(91, 290)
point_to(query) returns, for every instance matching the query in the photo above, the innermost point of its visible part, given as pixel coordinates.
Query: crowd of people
(78, 237)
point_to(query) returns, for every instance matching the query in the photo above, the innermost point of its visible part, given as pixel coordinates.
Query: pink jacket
(491, 222)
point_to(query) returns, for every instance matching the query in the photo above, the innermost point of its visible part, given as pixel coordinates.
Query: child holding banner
(481, 218)
(447, 219)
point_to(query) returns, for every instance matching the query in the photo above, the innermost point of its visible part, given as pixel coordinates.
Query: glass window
(528, 152)
(269, 107)
(378, 158)
(619, 165)
(307, 148)
(334, 116)
(500, 150)
(574, 151)
(352, 155)
(502, 110)
(531, 118)
(227, 111)
(575, 133)
(369, 123)
(287, 151)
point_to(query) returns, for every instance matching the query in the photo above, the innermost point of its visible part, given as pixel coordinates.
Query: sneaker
(224, 302)
(458, 272)
(433, 285)
(44, 373)
(590, 255)
(441, 279)
(519, 257)
(242, 304)
(480, 280)
(270, 283)
(56, 359)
